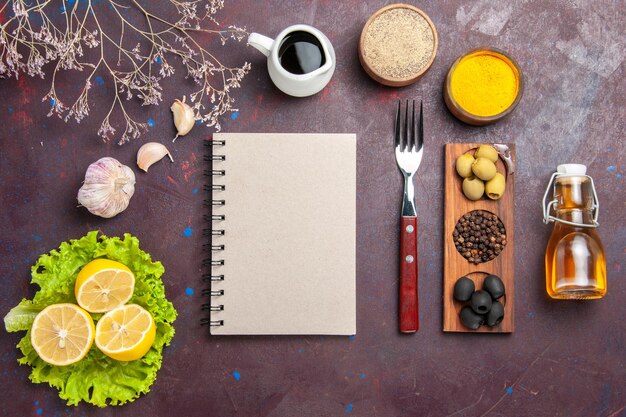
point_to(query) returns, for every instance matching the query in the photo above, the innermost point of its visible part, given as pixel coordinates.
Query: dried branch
(35, 34)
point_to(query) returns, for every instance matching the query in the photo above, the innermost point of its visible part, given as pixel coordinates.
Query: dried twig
(30, 39)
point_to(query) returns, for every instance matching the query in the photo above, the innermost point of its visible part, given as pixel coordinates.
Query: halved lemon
(103, 285)
(62, 334)
(126, 333)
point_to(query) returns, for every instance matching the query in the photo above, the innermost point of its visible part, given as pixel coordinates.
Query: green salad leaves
(96, 379)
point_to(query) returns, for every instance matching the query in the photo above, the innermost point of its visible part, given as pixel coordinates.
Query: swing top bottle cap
(572, 169)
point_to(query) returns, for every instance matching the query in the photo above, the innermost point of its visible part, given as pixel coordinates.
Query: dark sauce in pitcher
(300, 53)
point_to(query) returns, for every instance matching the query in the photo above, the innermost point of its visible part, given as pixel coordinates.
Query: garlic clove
(107, 188)
(151, 152)
(184, 117)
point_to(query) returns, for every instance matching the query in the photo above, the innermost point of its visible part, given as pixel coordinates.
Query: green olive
(487, 151)
(473, 188)
(464, 165)
(484, 169)
(495, 186)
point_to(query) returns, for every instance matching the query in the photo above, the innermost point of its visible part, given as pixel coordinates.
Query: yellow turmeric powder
(485, 83)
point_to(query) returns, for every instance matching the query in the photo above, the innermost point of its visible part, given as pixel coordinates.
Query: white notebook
(283, 234)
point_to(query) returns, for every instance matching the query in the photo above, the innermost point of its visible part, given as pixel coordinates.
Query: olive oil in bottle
(575, 260)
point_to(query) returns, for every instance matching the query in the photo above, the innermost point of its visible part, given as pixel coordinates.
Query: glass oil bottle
(575, 259)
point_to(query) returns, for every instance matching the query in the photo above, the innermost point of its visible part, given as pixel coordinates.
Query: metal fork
(409, 145)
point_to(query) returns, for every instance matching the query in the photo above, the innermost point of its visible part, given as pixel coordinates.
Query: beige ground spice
(398, 44)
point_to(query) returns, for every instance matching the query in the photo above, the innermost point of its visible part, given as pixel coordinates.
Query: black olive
(494, 286)
(463, 289)
(481, 302)
(496, 314)
(470, 319)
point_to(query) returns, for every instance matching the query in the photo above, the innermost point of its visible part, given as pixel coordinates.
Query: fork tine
(396, 136)
(405, 138)
(420, 133)
(412, 143)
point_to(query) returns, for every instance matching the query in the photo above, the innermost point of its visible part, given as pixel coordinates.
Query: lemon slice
(62, 334)
(103, 285)
(126, 333)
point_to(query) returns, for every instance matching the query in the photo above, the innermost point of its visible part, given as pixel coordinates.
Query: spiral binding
(215, 187)
(211, 278)
(214, 157)
(210, 262)
(214, 172)
(213, 247)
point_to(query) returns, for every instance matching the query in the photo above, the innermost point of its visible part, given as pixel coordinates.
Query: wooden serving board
(455, 265)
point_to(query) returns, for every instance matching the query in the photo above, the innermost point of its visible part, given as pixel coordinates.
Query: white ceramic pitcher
(297, 85)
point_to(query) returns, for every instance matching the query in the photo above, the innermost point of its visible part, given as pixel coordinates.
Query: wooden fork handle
(409, 315)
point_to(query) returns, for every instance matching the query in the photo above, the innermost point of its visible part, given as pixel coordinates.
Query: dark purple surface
(564, 358)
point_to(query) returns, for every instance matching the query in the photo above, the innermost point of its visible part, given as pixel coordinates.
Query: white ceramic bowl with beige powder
(398, 45)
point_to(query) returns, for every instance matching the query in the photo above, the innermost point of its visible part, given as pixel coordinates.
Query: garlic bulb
(107, 188)
(184, 118)
(150, 153)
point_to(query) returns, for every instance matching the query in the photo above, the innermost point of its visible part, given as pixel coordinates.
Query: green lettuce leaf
(96, 379)
(21, 316)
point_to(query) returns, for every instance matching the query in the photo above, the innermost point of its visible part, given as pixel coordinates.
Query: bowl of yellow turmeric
(483, 86)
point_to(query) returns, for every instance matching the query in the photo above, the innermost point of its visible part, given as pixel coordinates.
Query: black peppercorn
(479, 236)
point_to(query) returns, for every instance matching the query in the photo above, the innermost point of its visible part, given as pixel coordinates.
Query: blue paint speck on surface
(37, 402)
(159, 60)
(611, 168)
(71, 1)
(39, 411)
(99, 80)
(52, 102)
(37, 238)
(151, 123)
(237, 375)
(62, 8)
(351, 337)
(195, 191)
(362, 376)
(198, 122)
(509, 390)
(189, 291)
(188, 232)
(349, 408)
(234, 115)
(619, 176)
